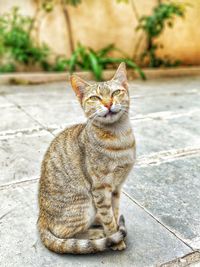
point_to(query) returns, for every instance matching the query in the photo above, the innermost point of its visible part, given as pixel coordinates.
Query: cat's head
(105, 102)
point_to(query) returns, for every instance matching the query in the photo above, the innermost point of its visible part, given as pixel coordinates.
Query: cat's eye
(117, 92)
(94, 98)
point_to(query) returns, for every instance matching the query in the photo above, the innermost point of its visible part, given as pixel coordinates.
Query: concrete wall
(97, 23)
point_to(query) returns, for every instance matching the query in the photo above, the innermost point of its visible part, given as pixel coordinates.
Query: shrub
(153, 25)
(16, 44)
(86, 59)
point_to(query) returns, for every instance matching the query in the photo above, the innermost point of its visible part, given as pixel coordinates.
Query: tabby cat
(83, 171)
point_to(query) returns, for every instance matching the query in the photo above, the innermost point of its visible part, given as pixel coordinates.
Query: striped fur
(83, 171)
(81, 246)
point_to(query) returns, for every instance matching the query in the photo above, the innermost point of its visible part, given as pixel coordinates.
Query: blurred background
(60, 35)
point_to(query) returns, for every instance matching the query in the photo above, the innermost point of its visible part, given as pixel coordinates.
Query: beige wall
(97, 23)
(183, 40)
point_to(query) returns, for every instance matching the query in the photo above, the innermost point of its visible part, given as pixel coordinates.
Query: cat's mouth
(110, 113)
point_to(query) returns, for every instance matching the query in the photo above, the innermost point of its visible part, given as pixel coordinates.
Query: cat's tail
(82, 246)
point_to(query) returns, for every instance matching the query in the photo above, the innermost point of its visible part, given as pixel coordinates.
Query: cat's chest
(111, 166)
(109, 153)
(118, 152)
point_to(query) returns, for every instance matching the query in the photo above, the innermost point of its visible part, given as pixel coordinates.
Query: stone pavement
(161, 196)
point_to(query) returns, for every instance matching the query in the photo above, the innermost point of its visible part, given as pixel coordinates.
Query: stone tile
(71, 112)
(56, 103)
(148, 242)
(51, 111)
(168, 99)
(63, 93)
(20, 157)
(35, 89)
(51, 108)
(4, 102)
(12, 118)
(165, 86)
(162, 103)
(157, 135)
(191, 260)
(56, 115)
(171, 192)
(165, 116)
(138, 86)
(51, 94)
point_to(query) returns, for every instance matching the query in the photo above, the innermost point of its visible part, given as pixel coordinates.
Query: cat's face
(106, 101)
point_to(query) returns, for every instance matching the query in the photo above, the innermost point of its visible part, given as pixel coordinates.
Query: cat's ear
(78, 86)
(121, 75)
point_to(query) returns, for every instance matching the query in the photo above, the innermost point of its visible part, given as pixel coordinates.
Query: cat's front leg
(102, 195)
(115, 203)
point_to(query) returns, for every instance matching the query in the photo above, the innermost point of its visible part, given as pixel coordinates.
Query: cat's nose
(108, 105)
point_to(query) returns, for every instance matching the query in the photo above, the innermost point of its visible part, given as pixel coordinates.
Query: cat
(84, 169)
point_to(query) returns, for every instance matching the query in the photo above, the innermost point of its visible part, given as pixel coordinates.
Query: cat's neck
(105, 137)
(117, 128)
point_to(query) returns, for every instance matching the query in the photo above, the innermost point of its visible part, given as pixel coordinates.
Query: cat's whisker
(91, 119)
(124, 106)
(96, 112)
(125, 110)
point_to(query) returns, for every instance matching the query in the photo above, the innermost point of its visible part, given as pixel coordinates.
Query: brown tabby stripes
(84, 169)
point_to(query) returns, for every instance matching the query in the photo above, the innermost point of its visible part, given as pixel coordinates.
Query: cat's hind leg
(73, 220)
(92, 233)
(64, 230)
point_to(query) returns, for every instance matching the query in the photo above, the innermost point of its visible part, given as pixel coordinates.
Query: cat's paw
(96, 234)
(120, 246)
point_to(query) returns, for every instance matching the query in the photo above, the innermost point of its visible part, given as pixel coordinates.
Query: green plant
(73, 2)
(16, 45)
(61, 64)
(153, 25)
(84, 58)
(9, 67)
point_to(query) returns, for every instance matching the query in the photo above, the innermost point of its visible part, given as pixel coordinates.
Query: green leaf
(104, 51)
(135, 67)
(61, 64)
(73, 2)
(95, 66)
(73, 61)
(129, 63)
(123, 1)
(9, 67)
(108, 60)
(163, 15)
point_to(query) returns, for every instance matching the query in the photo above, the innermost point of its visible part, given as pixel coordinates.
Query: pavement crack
(24, 111)
(5, 214)
(41, 125)
(166, 156)
(165, 115)
(20, 132)
(156, 219)
(18, 183)
(185, 93)
(185, 261)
